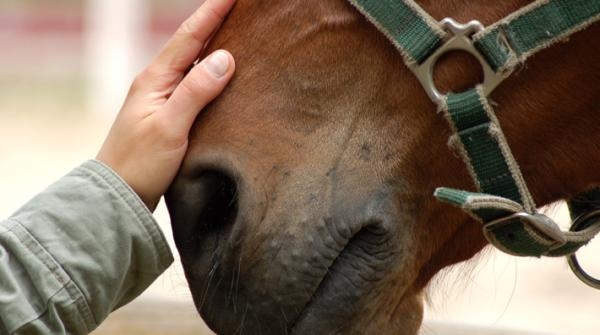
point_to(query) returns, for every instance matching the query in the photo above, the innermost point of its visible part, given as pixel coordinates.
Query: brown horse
(305, 206)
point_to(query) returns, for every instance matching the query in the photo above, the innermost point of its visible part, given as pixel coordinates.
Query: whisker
(211, 275)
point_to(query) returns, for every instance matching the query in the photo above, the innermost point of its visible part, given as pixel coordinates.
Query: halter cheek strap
(503, 202)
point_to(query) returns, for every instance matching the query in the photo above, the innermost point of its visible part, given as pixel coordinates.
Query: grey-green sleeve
(76, 252)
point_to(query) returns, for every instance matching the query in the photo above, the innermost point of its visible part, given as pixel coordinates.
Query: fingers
(187, 43)
(201, 85)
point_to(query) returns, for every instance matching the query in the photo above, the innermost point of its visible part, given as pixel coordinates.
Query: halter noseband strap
(503, 202)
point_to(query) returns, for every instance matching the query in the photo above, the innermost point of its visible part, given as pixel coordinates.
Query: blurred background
(65, 66)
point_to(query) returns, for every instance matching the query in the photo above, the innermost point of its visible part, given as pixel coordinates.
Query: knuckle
(211, 13)
(205, 15)
(187, 27)
(142, 79)
(197, 85)
(137, 84)
(190, 28)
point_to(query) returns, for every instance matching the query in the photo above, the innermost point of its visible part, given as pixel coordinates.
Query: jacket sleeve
(76, 252)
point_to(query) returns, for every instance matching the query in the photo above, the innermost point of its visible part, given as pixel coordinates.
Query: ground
(157, 317)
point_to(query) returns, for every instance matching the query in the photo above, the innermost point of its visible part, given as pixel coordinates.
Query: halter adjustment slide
(542, 225)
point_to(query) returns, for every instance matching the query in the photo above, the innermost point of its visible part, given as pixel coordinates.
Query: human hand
(149, 138)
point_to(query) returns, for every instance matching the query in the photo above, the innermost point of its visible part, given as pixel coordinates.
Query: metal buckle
(461, 40)
(581, 223)
(539, 222)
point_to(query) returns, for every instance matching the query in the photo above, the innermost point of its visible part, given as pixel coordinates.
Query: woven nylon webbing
(478, 136)
(513, 236)
(494, 169)
(504, 44)
(502, 191)
(535, 27)
(405, 24)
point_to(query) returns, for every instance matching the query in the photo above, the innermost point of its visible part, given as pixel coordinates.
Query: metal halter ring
(581, 223)
(460, 40)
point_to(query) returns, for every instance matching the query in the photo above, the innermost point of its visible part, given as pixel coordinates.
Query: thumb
(197, 89)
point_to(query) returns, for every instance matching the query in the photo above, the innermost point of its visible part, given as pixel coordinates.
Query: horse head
(305, 202)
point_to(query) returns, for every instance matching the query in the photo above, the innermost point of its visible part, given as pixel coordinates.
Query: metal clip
(581, 223)
(539, 222)
(460, 40)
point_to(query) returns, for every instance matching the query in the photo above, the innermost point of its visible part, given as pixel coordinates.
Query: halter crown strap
(533, 28)
(504, 44)
(503, 202)
(412, 30)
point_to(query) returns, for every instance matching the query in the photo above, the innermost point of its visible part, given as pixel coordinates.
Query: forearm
(77, 251)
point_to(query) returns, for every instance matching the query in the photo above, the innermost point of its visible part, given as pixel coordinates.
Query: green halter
(503, 202)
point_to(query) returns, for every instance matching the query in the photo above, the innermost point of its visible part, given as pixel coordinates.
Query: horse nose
(278, 260)
(206, 205)
(211, 211)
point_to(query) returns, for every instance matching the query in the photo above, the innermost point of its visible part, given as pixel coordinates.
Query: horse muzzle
(295, 257)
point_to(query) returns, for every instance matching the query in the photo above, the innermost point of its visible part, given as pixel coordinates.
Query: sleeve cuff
(137, 206)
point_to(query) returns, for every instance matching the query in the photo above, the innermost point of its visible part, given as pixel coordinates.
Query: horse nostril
(203, 210)
(220, 208)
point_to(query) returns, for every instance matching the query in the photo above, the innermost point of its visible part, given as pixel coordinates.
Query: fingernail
(217, 63)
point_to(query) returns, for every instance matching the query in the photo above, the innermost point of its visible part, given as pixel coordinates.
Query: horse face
(299, 206)
(305, 201)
